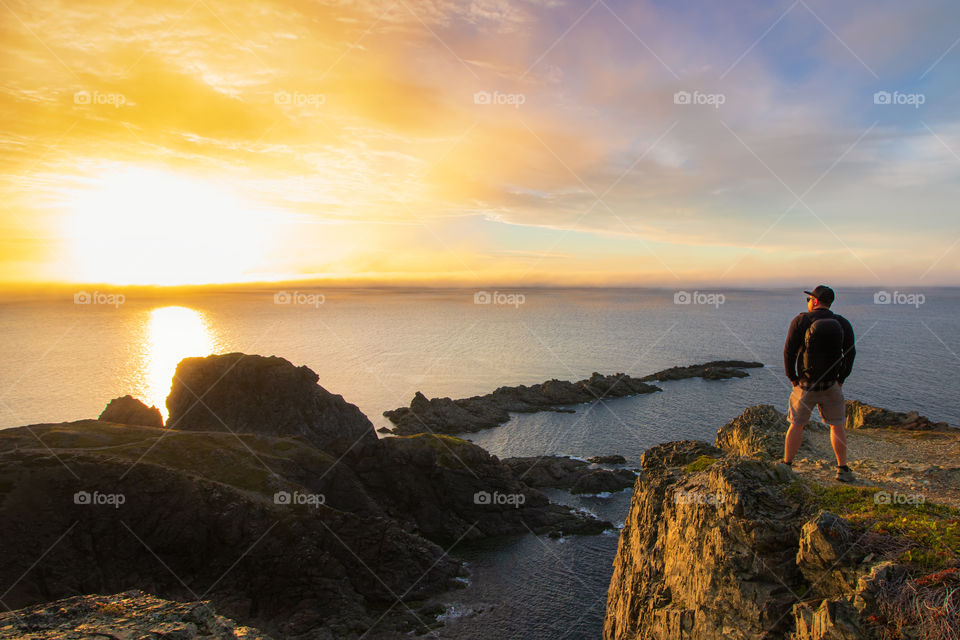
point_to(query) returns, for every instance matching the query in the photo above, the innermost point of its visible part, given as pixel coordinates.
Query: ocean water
(64, 361)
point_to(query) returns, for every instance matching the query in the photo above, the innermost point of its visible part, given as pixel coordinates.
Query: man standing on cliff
(818, 357)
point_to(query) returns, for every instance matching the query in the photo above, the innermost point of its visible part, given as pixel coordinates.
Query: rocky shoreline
(443, 415)
(267, 505)
(266, 495)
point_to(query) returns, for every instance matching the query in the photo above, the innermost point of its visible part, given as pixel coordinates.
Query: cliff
(724, 542)
(265, 494)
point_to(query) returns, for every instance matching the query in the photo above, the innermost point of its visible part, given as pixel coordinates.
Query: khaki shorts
(829, 402)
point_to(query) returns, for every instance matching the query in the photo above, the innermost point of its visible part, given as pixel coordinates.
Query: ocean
(64, 359)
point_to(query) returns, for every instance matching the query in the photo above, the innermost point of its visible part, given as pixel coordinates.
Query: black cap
(823, 293)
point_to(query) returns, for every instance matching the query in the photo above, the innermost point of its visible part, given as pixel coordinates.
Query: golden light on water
(173, 333)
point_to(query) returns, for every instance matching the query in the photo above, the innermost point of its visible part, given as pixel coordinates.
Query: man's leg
(792, 442)
(798, 416)
(838, 438)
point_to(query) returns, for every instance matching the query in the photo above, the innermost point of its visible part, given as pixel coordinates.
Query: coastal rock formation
(714, 370)
(447, 489)
(865, 416)
(277, 531)
(129, 410)
(188, 514)
(245, 393)
(443, 415)
(131, 614)
(576, 476)
(722, 542)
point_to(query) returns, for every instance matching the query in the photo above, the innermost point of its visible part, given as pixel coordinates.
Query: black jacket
(793, 349)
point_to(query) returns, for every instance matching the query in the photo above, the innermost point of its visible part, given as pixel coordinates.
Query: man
(818, 357)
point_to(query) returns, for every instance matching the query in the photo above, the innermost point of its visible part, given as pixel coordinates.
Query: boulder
(759, 431)
(129, 410)
(865, 416)
(244, 393)
(562, 472)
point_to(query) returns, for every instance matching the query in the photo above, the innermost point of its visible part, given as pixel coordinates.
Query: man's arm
(849, 350)
(791, 349)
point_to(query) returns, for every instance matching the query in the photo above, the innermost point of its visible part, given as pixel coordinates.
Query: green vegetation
(699, 464)
(934, 529)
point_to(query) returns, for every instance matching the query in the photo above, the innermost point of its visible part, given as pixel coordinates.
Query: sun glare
(142, 226)
(173, 333)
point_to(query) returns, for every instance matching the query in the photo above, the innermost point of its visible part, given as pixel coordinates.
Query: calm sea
(63, 361)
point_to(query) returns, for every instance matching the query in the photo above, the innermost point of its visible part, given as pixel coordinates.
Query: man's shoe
(844, 474)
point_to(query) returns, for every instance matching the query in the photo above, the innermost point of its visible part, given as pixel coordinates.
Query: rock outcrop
(865, 416)
(131, 614)
(284, 525)
(724, 542)
(576, 476)
(715, 370)
(443, 415)
(129, 410)
(245, 393)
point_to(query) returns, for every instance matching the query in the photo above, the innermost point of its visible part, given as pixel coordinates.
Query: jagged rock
(832, 620)
(887, 576)
(131, 614)
(129, 410)
(706, 555)
(443, 415)
(828, 554)
(757, 431)
(245, 393)
(865, 416)
(676, 454)
(447, 489)
(562, 472)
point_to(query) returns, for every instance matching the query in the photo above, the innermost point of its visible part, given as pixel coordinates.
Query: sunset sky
(485, 141)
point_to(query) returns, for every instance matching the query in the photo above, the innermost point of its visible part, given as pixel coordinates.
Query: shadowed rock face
(280, 523)
(266, 395)
(129, 410)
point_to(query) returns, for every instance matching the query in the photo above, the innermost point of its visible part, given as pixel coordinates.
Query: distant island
(443, 415)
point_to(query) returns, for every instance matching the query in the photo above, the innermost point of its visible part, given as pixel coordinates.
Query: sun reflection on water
(173, 333)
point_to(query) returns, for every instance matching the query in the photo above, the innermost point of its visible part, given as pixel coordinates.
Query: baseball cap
(823, 293)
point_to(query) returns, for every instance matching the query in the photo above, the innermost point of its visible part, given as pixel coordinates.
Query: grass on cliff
(931, 531)
(699, 464)
(921, 535)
